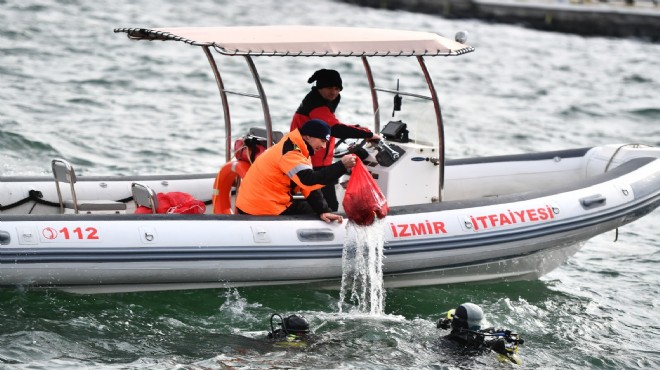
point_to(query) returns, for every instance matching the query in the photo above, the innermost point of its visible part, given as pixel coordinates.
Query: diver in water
(465, 324)
(293, 331)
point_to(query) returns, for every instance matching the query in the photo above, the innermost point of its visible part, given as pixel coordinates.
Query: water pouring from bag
(362, 258)
(362, 268)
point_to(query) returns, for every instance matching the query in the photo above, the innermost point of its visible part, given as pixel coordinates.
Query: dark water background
(70, 87)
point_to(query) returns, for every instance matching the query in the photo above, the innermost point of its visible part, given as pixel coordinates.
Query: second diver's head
(296, 324)
(467, 316)
(293, 331)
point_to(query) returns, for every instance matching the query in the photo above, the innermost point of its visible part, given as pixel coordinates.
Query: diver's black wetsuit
(471, 342)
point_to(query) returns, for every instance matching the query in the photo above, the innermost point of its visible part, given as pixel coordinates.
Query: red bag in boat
(363, 200)
(176, 202)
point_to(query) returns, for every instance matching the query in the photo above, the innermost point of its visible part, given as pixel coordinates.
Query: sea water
(71, 88)
(362, 267)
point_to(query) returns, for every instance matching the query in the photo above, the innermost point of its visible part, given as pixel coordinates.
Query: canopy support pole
(441, 131)
(225, 104)
(374, 95)
(264, 101)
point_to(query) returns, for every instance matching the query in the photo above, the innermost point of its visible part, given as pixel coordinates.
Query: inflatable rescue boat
(451, 220)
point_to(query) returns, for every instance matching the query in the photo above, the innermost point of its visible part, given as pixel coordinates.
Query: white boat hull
(521, 235)
(475, 219)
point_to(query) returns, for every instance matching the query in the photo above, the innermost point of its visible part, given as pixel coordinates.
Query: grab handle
(315, 235)
(593, 201)
(4, 237)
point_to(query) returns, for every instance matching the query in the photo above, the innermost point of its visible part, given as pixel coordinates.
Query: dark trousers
(298, 207)
(329, 193)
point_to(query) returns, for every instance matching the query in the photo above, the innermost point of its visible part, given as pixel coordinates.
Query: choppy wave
(17, 143)
(72, 88)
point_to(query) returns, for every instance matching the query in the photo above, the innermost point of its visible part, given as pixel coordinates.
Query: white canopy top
(306, 40)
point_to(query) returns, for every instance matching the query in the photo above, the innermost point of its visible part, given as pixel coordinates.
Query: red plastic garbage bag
(176, 202)
(363, 200)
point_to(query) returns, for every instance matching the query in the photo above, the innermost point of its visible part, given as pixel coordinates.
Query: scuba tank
(292, 330)
(465, 325)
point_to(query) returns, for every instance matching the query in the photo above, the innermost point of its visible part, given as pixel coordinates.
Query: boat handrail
(225, 103)
(424, 97)
(249, 95)
(634, 145)
(440, 125)
(372, 90)
(264, 101)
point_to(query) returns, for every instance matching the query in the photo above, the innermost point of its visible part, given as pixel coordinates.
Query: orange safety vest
(266, 188)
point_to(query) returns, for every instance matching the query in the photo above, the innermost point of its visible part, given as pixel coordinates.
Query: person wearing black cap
(321, 103)
(286, 168)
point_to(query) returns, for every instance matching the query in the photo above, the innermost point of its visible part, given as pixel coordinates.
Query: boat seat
(144, 196)
(261, 133)
(63, 172)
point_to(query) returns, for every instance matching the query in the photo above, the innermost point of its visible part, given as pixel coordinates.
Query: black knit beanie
(316, 128)
(326, 78)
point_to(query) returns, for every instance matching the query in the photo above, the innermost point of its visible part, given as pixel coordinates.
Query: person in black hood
(321, 103)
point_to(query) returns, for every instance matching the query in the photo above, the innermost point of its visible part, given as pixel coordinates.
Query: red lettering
(483, 221)
(493, 220)
(92, 233)
(439, 227)
(504, 220)
(394, 233)
(532, 215)
(65, 232)
(474, 223)
(512, 217)
(404, 230)
(418, 229)
(422, 228)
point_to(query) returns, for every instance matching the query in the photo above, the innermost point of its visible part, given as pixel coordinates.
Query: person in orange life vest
(285, 168)
(321, 103)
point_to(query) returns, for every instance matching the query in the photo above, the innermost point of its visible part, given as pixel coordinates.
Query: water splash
(362, 267)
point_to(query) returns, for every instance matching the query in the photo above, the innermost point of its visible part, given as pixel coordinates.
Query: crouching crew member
(286, 168)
